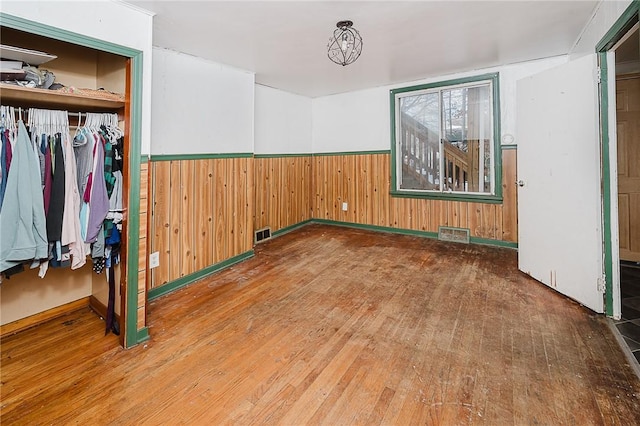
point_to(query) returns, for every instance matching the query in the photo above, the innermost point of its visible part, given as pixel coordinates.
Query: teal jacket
(23, 231)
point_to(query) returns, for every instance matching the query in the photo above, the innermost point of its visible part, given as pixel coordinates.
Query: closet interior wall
(26, 295)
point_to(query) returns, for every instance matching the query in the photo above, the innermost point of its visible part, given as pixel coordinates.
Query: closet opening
(89, 88)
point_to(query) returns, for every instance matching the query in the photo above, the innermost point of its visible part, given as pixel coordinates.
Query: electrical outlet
(345, 207)
(154, 260)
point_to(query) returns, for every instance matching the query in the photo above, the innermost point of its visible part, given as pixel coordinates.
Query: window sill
(471, 198)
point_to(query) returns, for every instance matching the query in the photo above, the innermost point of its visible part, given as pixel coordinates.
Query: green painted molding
(204, 156)
(133, 227)
(453, 82)
(495, 198)
(334, 154)
(447, 196)
(281, 155)
(622, 25)
(291, 228)
(606, 183)
(143, 335)
(392, 136)
(377, 228)
(497, 126)
(494, 243)
(403, 231)
(135, 143)
(508, 147)
(26, 25)
(144, 159)
(169, 287)
(173, 157)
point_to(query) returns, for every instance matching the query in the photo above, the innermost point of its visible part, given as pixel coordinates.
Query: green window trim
(448, 196)
(496, 197)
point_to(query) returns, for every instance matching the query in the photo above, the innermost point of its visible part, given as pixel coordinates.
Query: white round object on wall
(507, 139)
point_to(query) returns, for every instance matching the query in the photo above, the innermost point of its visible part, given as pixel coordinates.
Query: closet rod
(70, 114)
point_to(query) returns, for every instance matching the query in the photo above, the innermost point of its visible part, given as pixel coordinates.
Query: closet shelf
(40, 98)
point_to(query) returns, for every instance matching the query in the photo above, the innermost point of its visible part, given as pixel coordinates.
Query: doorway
(627, 85)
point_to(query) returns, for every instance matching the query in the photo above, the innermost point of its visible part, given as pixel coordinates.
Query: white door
(559, 197)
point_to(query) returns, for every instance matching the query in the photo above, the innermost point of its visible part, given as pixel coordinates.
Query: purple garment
(9, 150)
(6, 147)
(99, 201)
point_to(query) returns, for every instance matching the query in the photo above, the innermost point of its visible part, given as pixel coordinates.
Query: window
(445, 140)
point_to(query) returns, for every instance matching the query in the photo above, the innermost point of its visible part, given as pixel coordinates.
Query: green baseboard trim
(378, 228)
(495, 243)
(169, 287)
(402, 231)
(291, 228)
(143, 335)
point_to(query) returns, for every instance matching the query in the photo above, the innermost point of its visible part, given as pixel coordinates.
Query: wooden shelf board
(27, 97)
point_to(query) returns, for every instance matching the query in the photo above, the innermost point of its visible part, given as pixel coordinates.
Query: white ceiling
(284, 42)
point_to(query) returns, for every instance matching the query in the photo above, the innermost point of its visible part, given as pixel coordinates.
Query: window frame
(394, 94)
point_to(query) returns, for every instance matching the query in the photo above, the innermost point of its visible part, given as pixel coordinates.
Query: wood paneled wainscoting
(282, 191)
(362, 180)
(145, 179)
(205, 210)
(201, 215)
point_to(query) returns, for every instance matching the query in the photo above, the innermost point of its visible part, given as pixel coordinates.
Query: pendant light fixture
(345, 46)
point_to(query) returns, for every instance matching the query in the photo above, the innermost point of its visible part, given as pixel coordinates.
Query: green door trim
(132, 335)
(622, 25)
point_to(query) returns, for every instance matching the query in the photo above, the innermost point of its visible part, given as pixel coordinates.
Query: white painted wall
(360, 121)
(282, 122)
(601, 21)
(352, 121)
(103, 20)
(200, 106)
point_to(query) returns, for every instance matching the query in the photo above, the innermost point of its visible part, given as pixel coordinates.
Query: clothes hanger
(79, 126)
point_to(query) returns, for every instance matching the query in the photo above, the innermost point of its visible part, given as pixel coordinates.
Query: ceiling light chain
(345, 46)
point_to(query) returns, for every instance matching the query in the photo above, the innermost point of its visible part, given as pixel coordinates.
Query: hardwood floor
(335, 326)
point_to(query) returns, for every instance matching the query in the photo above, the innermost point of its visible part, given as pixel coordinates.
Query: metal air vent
(262, 234)
(456, 235)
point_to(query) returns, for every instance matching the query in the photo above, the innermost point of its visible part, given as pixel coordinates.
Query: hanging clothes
(71, 235)
(5, 160)
(47, 178)
(22, 222)
(56, 205)
(83, 148)
(98, 200)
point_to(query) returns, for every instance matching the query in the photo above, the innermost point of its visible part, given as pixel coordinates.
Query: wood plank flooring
(330, 325)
